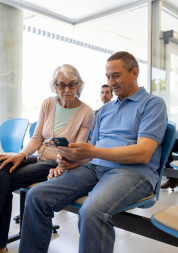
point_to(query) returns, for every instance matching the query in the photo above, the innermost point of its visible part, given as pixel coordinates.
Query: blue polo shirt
(120, 124)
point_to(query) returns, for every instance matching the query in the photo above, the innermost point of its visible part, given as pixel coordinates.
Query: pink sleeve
(85, 128)
(35, 142)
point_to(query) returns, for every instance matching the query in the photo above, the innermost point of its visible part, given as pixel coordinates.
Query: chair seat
(168, 217)
(174, 164)
(32, 185)
(81, 200)
(26, 189)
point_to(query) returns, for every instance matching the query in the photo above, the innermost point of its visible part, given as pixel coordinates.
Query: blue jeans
(109, 191)
(25, 174)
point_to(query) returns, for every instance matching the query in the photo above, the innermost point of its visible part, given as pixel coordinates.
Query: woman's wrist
(22, 155)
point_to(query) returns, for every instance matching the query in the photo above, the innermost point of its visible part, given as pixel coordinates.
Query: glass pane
(115, 33)
(174, 88)
(165, 64)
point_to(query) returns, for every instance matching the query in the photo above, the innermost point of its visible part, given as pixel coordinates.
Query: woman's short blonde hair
(69, 72)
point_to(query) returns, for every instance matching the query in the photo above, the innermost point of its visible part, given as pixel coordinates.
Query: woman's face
(66, 88)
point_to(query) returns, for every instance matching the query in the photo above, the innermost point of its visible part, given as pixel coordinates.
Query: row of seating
(12, 133)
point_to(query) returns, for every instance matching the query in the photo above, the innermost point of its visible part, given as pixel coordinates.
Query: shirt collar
(136, 96)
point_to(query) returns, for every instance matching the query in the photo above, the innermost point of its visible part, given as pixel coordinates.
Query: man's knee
(38, 199)
(89, 211)
(34, 196)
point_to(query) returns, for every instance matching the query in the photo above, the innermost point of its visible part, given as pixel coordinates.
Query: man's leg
(45, 198)
(116, 189)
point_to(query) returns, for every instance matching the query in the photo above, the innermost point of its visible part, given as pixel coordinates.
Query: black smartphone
(60, 141)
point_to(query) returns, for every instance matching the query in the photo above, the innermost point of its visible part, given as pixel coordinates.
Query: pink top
(75, 130)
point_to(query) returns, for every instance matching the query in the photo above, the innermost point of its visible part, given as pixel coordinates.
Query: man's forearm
(140, 152)
(124, 155)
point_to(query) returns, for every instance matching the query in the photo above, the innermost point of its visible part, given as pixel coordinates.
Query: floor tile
(138, 244)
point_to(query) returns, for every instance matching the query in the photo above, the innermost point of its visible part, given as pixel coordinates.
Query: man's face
(123, 83)
(106, 95)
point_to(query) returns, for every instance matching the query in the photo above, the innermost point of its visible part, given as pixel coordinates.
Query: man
(106, 95)
(124, 156)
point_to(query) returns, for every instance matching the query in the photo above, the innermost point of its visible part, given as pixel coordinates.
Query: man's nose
(112, 81)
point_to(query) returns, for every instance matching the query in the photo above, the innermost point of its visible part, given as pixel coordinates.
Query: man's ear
(135, 72)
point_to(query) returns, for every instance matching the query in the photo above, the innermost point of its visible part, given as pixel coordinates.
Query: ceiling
(82, 9)
(125, 31)
(125, 27)
(115, 24)
(79, 9)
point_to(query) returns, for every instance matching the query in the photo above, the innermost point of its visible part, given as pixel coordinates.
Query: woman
(61, 116)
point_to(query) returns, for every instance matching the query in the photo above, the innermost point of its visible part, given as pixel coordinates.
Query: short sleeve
(154, 120)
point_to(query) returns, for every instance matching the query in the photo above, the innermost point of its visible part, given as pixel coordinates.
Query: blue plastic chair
(166, 219)
(12, 133)
(32, 129)
(90, 134)
(148, 202)
(174, 164)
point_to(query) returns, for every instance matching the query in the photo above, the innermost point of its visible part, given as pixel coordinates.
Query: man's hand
(15, 159)
(77, 151)
(54, 173)
(66, 164)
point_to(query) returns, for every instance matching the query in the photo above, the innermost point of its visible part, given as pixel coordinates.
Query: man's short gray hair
(128, 60)
(69, 72)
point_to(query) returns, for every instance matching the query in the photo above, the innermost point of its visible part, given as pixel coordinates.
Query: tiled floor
(66, 240)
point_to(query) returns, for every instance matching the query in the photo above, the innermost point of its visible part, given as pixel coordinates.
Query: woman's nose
(67, 88)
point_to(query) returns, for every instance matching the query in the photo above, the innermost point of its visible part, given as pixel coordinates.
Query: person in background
(117, 169)
(106, 94)
(62, 116)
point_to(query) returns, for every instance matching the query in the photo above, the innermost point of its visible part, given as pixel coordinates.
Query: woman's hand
(15, 159)
(55, 173)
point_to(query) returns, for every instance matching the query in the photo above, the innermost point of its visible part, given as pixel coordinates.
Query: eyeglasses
(62, 86)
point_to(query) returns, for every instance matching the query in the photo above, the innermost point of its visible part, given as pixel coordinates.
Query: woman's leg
(50, 196)
(6, 198)
(24, 175)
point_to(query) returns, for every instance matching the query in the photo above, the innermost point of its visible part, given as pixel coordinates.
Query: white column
(11, 35)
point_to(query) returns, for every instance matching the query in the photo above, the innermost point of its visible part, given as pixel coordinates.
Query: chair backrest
(167, 146)
(90, 134)
(32, 129)
(12, 133)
